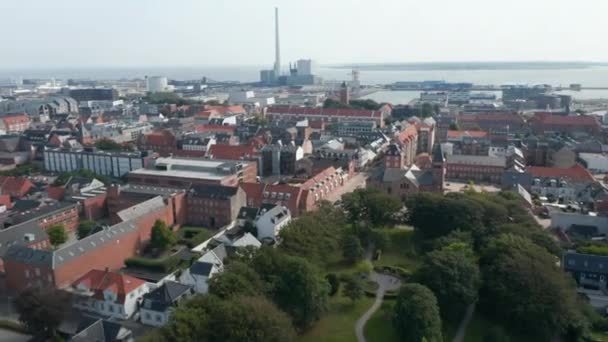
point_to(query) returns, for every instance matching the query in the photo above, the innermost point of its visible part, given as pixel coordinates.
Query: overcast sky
(83, 33)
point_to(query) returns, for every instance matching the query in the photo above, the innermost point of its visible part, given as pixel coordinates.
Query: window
(37, 271)
(111, 308)
(148, 316)
(159, 318)
(27, 273)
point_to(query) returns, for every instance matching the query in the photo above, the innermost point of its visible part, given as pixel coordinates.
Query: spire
(277, 58)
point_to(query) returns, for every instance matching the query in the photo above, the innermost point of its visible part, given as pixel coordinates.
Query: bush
(193, 237)
(364, 267)
(334, 283)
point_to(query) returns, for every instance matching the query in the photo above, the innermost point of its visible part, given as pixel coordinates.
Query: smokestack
(277, 58)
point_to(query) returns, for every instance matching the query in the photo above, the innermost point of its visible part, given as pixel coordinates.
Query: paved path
(11, 336)
(462, 329)
(385, 283)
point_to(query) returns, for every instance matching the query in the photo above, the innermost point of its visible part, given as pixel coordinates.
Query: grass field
(401, 251)
(379, 328)
(338, 324)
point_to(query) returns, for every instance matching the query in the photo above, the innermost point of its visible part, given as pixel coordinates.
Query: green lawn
(338, 324)
(401, 250)
(600, 336)
(380, 328)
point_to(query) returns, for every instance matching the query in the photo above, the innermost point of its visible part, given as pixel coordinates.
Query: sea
(590, 76)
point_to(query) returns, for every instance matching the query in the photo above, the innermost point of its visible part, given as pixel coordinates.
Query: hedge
(14, 326)
(395, 271)
(164, 265)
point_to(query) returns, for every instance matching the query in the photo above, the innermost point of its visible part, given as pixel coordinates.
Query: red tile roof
(262, 193)
(15, 186)
(15, 119)
(215, 129)
(580, 120)
(227, 110)
(472, 134)
(576, 173)
(513, 118)
(160, 138)
(294, 110)
(6, 200)
(407, 134)
(99, 281)
(231, 152)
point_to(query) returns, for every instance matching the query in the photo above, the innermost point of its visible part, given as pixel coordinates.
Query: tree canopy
(41, 310)
(453, 275)
(371, 205)
(85, 228)
(416, 314)
(240, 318)
(532, 292)
(57, 235)
(161, 236)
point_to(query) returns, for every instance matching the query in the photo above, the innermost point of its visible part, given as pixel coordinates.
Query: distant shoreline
(425, 66)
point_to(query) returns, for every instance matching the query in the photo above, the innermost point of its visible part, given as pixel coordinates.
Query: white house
(109, 294)
(159, 304)
(271, 219)
(198, 275)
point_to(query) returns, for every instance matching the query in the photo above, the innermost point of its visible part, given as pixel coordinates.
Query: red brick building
(14, 123)
(475, 168)
(313, 114)
(162, 142)
(232, 152)
(214, 206)
(105, 249)
(546, 122)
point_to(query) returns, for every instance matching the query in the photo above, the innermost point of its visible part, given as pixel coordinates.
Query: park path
(462, 328)
(385, 283)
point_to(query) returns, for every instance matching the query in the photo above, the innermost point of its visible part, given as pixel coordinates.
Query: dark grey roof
(164, 296)
(201, 268)
(393, 174)
(213, 191)
(424, 177)
(21, 235)
(248, 213)
(69, 252)
(438, 155)
(41, 211)
(102, 331)
(24, 205)
(585, 262)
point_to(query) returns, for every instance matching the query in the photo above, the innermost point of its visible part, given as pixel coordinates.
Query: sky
(126, 33)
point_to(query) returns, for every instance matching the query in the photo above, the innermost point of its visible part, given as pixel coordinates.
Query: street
(357, 182)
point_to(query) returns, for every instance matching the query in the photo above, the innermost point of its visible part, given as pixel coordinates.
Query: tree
(240, 318)
(85, 228)
(108, 145)
(334, 283)
(353, 288)
(534, 294)
(57, 235)
(416, 314)
(351, 248)
(41, 310)
(238, 278)
(454, 127)
(371, 205)
(453, 275)
(334, 104)
(296, 286)
(426, 110)
(161, 237)
(495, 334)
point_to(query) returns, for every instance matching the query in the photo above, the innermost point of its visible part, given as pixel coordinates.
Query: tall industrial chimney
(277, 58)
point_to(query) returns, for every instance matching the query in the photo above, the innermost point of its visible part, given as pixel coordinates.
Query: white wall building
(113, 164)
(108, 293)
(271, 220)
(306, 67)
(596, 163)
(157, 84)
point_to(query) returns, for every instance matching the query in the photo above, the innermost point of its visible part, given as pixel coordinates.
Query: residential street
(357, 182)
